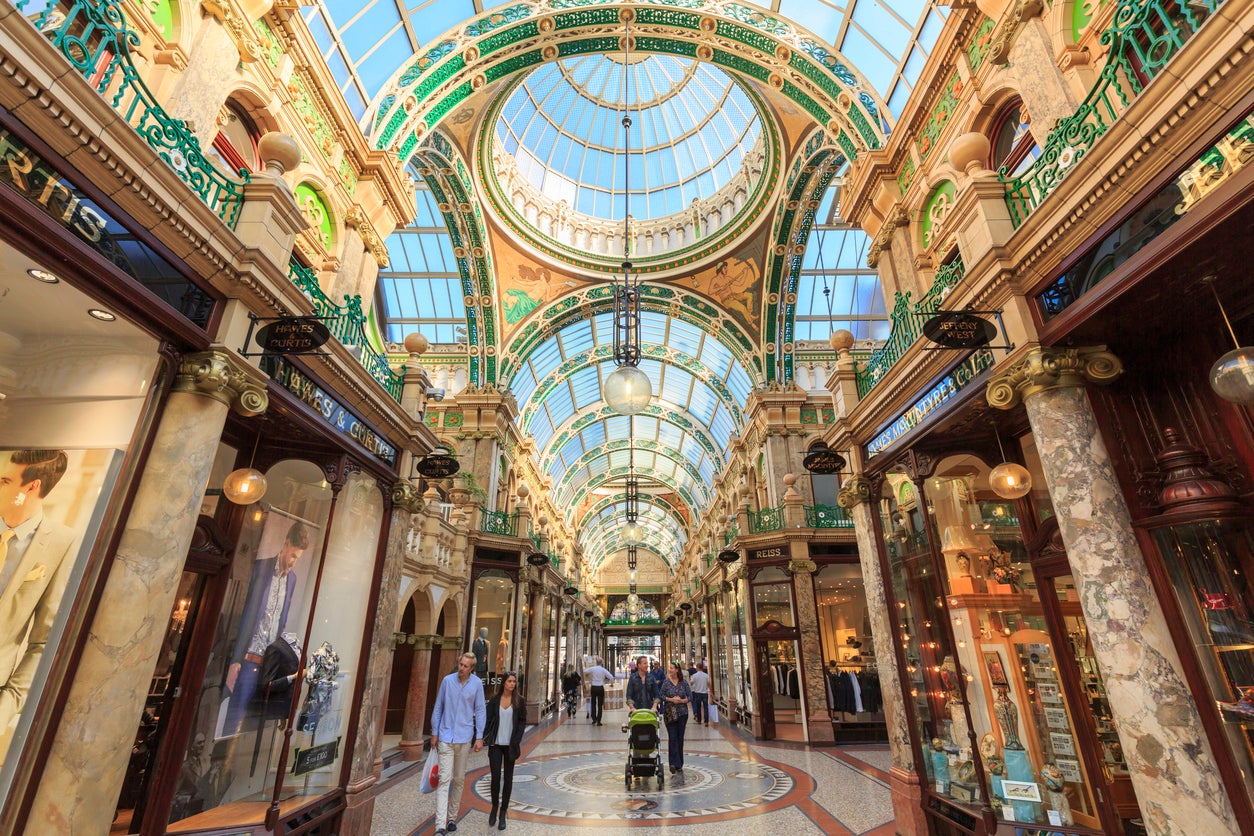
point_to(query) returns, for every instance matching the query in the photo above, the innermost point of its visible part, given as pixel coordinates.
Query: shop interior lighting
(43, 276)
(627, 390)
(102, 315)
(1232, 376)
(1008, 480)
(245, 485)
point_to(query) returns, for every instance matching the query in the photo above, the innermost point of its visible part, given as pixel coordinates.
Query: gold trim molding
(1045, 368)
(225, 378)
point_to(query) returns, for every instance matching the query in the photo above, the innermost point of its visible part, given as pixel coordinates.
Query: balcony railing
(498, 522)
(827, 516)
(768, 519)
(348, 324)
(94, 38)
(1143, 38)
(907, 324)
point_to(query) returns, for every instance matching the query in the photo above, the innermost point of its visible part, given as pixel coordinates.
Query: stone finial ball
(523, 490)
(841, 340)
(790, 479)
(416, 343)
(278, 151)
(969, 152)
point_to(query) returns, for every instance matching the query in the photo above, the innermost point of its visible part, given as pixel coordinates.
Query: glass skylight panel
(721, 428)
(541, 430)
(593, 435)
(560, 405)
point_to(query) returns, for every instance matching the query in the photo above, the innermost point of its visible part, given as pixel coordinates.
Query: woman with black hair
(503, 732)
(675, 697)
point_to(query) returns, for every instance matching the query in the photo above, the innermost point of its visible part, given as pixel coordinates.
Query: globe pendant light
(633, 533)
(245, 485)
(627, 390)
(1008, 480)
(1232, 376)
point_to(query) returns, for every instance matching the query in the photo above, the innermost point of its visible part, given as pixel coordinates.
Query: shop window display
(851, 671)
(247, 695)
(491, 616)
(73, 390)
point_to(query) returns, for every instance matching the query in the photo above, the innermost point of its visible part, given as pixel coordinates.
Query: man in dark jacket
(641, 691)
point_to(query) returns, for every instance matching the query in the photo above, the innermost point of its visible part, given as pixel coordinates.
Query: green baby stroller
(644, 756)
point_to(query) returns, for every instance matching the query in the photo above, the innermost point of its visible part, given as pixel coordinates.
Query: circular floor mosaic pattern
(590, 787)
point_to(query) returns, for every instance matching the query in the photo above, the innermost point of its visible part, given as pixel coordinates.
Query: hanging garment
(857, 692)
(794, 686)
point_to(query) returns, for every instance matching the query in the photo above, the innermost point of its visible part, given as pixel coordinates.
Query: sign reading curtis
(959, 329)
(438, 464)
(293, 335)
(823, 460)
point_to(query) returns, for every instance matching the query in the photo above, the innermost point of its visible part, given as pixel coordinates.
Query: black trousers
(598, 700)
(499, 761)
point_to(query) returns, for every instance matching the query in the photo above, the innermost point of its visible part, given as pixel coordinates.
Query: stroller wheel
(627, 776)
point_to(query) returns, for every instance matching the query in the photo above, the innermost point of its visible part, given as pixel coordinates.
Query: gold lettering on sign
(1217, 166)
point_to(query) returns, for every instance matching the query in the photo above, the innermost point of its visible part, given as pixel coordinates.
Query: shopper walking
(456, 718)
(597, 678)
(675, 696)
(700, 685)
(640, 690)
(507, 718)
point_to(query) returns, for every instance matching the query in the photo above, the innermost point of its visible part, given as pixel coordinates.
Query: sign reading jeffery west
(337, 416)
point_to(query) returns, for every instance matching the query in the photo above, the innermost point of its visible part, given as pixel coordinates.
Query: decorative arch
(749, 42)
(424, 610)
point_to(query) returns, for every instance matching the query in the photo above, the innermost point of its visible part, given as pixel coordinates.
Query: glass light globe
(244, 486)
(627, 390)
(1232, 376)
(633, 598)
(1010, 481)
(633, 575)
(633, 534)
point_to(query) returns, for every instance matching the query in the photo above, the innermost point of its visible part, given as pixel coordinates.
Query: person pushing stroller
(641, 689)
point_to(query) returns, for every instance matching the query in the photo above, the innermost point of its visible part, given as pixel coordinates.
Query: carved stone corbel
(222, 376)
(1044, 368)
(1006, 32)
(236, 24)
(406, 497)
(357, 219)
(884, 238)
(855, 491)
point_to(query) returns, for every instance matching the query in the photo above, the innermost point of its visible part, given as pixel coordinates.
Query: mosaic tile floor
(571, 777)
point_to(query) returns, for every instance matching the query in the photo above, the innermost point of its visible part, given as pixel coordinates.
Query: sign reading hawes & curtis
(948, 387)
(337, 416)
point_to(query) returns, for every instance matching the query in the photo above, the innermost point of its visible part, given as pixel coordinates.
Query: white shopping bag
(430, 773)
(713, 714)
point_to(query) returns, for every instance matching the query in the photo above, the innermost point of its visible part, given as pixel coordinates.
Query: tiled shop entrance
(571, 778)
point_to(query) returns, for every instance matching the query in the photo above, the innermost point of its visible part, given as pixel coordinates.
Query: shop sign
(315, 757)
(437, 466)
(959, 329)
(337, 416)
(824, 461)
(293, 335)
(767, 554)
(944, 391)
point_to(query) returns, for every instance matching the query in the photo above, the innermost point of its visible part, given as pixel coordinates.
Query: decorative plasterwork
(1044, 368)
(498, 44)
(883, 238)
(1003, 36)
(225, 378)
(357, 219)
(235, 21)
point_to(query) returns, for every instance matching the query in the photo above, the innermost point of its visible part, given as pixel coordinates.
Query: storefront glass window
(1005, 661)
(491, 614)
(741, 680)
(246, 698)
(1209, 563)
(772, 597)
(73, 389)
(853, 685)
(719, 661)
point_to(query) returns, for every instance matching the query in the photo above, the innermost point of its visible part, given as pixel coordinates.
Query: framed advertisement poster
(996, 669)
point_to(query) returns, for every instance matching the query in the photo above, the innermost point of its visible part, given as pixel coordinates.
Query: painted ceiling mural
(510, 118)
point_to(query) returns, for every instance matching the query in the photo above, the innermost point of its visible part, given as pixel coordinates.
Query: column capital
(855, 491)
(1044, 368)
(220, 375)
(406, 497)
(802, 566)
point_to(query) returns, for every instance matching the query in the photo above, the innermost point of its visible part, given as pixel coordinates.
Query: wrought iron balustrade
(94, 37)
(907, 324)
(827, 516)
(730, 534)
(498, 522)
(768, 519)
(348, 325)
(1143, 37)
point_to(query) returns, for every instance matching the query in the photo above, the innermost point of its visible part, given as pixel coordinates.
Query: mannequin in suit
(480, 648)
(37, 561)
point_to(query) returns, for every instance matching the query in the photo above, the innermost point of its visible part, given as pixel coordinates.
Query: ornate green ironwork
(94, 37)
(730, 534)
(1143, 37)
(348, 325)
(768, 519)
(907, 324)
(827, 516)
(498, 522)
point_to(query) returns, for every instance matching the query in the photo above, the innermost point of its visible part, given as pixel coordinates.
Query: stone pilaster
(86, 765)
(856, 497)
(818, 722)
(416, 698)
(1173, 769)
(536, 685)
(367, 749)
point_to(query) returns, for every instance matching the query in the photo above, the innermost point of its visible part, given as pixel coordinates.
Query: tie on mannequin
(5, 536)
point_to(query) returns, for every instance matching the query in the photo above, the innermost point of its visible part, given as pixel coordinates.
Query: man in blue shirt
(596, 677)
(457, 719)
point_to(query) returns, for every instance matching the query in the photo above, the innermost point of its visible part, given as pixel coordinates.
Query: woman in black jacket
(503, 732)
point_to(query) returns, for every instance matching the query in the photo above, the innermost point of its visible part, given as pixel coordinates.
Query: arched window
(236, 142)
(1014, 147)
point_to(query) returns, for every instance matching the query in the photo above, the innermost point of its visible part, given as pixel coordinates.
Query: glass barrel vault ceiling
(692, 126)
(364, 44)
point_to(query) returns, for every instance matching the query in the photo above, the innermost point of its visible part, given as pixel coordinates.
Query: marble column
(1173, 769)
(856, 497)
(535, 683)
(87, 761)
(727, 638)
(572, 649)
(367, 749)
(818, 722)
(412, 732)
